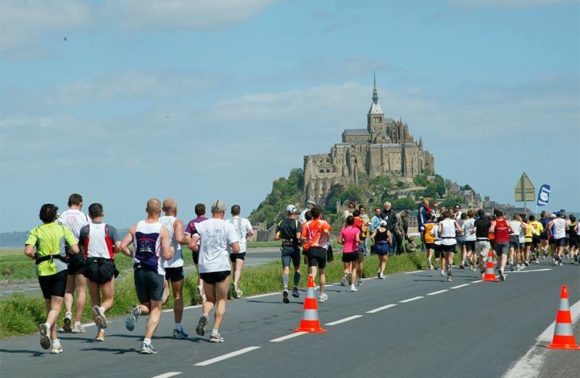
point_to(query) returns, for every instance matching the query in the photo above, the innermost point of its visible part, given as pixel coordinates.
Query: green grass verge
(20, 314)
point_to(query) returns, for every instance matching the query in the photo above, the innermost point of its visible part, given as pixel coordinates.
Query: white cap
(291, 209)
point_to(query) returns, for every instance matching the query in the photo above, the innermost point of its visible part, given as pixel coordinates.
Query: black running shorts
(236, 256)
(76, 263)
(349, 257)
(100, 270)
(174, 274)
(149, 285)
(214, 277)
(53, 285)
(317, 257)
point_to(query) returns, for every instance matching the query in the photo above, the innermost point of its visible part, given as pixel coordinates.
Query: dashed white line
(287, 337)
(381, 308)
(344, 320)
(167, 375)
(262, 295)
(478, 281)
(226, 356)
(438, 292)
(415, 271)
(460, 286)
(411, 299)
(531, 271)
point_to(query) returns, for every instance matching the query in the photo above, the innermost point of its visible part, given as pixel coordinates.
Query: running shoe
(200, 329)
(99, 316)
(359, 282)
(322, 297)
(343, 281)
(179, 333)
(56, 348)
(295, 292)
(381, 276)
(512, 267)
(131, 319)
(285, 296)
(67, 326)
(501, 275)
(148, 349)
(353, 288)
(462, 266)
(78, 328)
(216, 338)
(100, 335)
(431, 267)
(44, 332)
(239, 294)
(442, 273)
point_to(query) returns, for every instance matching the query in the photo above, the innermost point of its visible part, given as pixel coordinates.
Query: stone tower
(384, 148)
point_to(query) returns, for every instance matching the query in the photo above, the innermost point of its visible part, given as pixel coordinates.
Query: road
(408, 325)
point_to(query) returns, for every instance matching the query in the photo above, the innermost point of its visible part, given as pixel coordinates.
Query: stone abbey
(384, 148)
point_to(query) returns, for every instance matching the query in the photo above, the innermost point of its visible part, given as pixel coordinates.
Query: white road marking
(531, 271)
(410, 299)
(460, 286)
(438, 292)
(167, 375)
(415, 271)
(344, 320)
(226, 356)
(529, 365)
(287, 337)
(478, 281)
(381, 308)
(263, 295)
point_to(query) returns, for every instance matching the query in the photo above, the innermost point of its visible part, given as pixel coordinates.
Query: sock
(77, 323)
(146, 341)
(178, 326)
(55, 342)
(215, 332)
(102, 309)
(296, 279)
(285, 281)
(48, 326)
(206, 315)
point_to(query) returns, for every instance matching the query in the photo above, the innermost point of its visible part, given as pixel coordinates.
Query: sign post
(524, 191)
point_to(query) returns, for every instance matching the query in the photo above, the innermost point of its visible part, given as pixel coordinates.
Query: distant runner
(316, 238)
(288, 231)
(349, 238)
(189, 231)
(244, 229)
(501, 230)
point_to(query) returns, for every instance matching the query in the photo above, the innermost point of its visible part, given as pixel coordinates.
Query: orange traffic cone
(310, 322)
(489, 274)
(563, 332)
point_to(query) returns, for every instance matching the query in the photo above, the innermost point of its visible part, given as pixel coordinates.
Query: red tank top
(502, 231)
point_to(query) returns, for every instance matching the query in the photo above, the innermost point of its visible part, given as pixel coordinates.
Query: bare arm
(128, 239)
(29, 251)
(492, 227)
(167, 249)
(194, 242)
(235, 246)
(178, 232)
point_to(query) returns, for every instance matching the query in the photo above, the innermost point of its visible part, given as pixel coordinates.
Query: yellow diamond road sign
(525, 190)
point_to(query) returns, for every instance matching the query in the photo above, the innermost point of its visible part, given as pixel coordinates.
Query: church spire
(375, 94)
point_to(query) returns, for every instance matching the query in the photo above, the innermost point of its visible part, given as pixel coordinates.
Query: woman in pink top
(350, 239)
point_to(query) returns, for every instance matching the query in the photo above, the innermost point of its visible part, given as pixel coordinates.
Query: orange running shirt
(314, 233)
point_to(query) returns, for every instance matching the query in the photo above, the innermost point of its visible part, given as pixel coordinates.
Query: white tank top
(448, 232)
(148, 246)
(177, 260)
(516, 227)
(97, 244)
(559, 228)
(74, 220)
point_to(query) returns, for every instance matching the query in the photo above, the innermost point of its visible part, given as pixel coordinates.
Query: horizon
(121, 101)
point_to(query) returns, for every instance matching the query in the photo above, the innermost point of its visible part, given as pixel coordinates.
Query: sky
(123, 100)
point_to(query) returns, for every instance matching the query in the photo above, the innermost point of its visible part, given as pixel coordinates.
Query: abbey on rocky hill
(384, 148)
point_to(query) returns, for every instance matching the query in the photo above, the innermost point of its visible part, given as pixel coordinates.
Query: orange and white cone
(489, 274)
(563, 332)
(310, 321)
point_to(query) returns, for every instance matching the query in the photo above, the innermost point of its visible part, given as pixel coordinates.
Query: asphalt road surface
(408, 325)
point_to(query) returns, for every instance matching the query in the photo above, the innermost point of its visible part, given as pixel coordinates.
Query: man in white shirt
(74, 219)
(309, 205)
(216, 237)
(244, 230)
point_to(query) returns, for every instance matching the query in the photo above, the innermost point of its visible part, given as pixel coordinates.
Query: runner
(99, 242)
(315, 238)
(189, 231)
(573, 241)
(174, 267)
(515, 257)
(448, 230)
(469, 239)
(350, 239)
(382, 239)
(536, 229)
(461, 217)
(501, 229)
(544, 220)
(74, 219)
(309, 205)
(577, 238)
(152, 245)
(429, 239)
(482, 243)
(557, 231)
(213, 239)
(423, 216)
(45, 244)
(288, 231)
(244, 229)
(363, 227)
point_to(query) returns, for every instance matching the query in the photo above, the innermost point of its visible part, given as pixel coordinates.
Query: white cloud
(508, 3)
(23, 21)
(188, 14)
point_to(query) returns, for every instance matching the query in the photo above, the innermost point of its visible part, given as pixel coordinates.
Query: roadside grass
(20, 314)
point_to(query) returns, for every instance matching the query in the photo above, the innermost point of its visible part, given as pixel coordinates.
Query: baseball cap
(218, 205)
(383, 223)
(552, 215)
(291, 209)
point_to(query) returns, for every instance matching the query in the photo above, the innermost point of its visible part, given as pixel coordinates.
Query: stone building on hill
(384, 148)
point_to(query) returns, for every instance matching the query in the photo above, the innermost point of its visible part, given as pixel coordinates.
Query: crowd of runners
(74, 251)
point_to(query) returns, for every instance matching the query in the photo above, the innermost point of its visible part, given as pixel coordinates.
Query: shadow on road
(34, 353)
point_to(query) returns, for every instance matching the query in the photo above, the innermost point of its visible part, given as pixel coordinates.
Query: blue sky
(203, 99)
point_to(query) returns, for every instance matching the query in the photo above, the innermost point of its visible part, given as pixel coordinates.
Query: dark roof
(356, 132)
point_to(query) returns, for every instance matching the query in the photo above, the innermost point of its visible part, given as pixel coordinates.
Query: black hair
(95, 210)
(498, 213)
(48, 213)
(481, 213)
(463, 216)
(316, 211)
(572, 218)
(356, 213)
(349, 220)
(75, 199)
(531, 218)
(199, 209)
(235, 210)
(308, 215)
